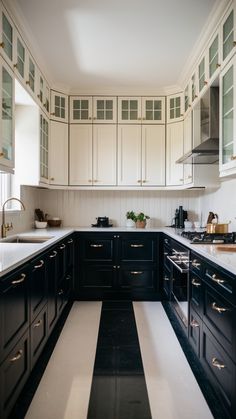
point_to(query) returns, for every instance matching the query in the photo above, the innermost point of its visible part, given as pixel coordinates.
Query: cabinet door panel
(105, 109)
(129, 155)
(38, 286)
(38, 335)
(96, 249)
(137, 278)
(196, 292)
(104, 155)
(153, 155)
(98, 276)
(174, 172)
(80, 109)
(81, 155)
(195, 327)
(58, 153)
(153, 110)
(138, 249)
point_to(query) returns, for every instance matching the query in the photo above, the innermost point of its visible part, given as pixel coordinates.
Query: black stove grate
(207, 238)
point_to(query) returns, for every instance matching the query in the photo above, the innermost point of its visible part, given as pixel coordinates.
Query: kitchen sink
(26, 239)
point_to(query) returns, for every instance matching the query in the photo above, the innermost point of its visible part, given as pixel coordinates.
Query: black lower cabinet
(38, 335)
(14, 372)
(195, 331)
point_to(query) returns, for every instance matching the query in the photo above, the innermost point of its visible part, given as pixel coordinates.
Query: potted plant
(141, 219)
(130, 219)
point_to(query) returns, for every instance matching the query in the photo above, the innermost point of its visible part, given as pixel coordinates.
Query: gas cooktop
(196, 237)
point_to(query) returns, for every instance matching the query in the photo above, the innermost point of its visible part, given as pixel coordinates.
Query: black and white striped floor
(117, 361)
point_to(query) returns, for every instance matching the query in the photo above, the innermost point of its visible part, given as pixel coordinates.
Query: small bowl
(40, 224)
(188, 224)
(54, 223)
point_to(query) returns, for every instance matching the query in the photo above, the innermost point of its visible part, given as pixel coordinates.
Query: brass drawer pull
(217, 280)
(2, 44)
(166, 278)
(136, 272)
(96, 245)
(60, 292)
(216, 363)
(54, 254)
(195, 263)
(38, 323)
(233, 157)
(70, 241)
(19, 281)
(195, 283)
(62, 246)
(219, 309)
(194, 323)
(40, 265)
(136, 245)
(17, 356)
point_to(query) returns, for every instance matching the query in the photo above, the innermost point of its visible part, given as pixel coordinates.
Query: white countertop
(13, 255)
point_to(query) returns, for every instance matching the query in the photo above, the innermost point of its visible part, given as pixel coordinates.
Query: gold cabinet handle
(234, 43)
(2, 154)
(195, 263)
(90, 118)
(194, 323)
(54, 254)
(166, 278)
(90, 180)
(17, 356)
(60, 292)
(62, 246)
(40, 265)
(195, 283)
(2, 44)
(19, 281)
(137, 245)
(217, 280)
(205, 82)
(136, 272)
(70, 241)
(218, 65)
(94, 117)
(38, 323)
(27, 82)
(233, 157)
(96, 245)
(139, 181)
(145, 181)
(15, 65)
(220, 310)
(52, 178)
(217, 364)
(95, 181)
(181, 180)
(53, 113)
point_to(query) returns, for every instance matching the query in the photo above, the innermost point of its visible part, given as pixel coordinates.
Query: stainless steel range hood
(205, 119)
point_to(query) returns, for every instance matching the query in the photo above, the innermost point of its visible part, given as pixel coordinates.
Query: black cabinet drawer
(14, 309)
(220, 370)
(38, 335)
(138, 248)
(167, 283)
(38, 286)
(220, 316)
(96, 249)
(196, 292)
(221, 282)
(196, 263)
(195, 328)
(96, 276)
(14, 372)
(137, 278)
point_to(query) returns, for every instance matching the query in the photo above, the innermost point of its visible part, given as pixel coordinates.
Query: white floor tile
(64, 390)
(172, 388)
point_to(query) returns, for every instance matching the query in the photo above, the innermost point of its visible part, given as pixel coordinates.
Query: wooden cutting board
(227, 248)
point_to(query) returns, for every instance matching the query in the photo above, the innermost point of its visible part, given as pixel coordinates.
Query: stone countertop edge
(13, 255)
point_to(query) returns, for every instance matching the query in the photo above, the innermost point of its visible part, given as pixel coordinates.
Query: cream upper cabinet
(80, 162)
(202, 72)
(129, 110)
(228, 33)
(188, 168)
(58, 153)
(174, 150)
(153, 155)
(81, 109)
(175, 108)
(43, 92)
(104, 110)
(153, 110)
(104, 154)
(6, 36)
(7, 143)
(44, 148)
(193, 88)
(30, 81)
(227, 119)
(214, 56)
(59, 106)
(129, 155)
(19, 58)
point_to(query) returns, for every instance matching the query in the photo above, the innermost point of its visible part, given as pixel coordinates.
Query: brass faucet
(6, 227)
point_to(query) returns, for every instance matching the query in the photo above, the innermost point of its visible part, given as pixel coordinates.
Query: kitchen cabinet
(174, 150)
(227, 164)
(38, 286)
(59, 106)
(20, 58)
(187, 98)
(137, 110)
(43, 93)
(52, 284)
(6, 36)
(81, 109)
(175, 108)
(203, 73)
(38, 335)
(30, 75)
(153, 110)
(141, 155)
(93, 154)
(123, 265)
(193, 88)
(58, 153)
(187, 147)
(214, 57)
(227, 29)
(44, 148)
(7, 138)
(104, 110)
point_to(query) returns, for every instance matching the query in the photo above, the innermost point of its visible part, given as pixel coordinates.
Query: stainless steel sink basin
(26, 239)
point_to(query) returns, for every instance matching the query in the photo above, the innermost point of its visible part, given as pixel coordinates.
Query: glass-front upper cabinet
(129, 110)
(19, 58)
(7, 118)
(228, 35)
(43, 93)
(7, 36)
(30, 74)
(214, 57)
(81, 109)
(59, 106)
(44, 145)
(104, 109)
(227, 115)
(175, 108)
(186, 99)
(202, 82)
(153, 110)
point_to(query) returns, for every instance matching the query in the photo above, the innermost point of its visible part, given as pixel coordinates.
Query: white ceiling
(97, 45)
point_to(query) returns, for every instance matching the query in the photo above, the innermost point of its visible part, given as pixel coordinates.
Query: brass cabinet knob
(90, 118)
(144, 181)
(234, 43)
(52, 178)
(218, 65)
(233, 157)
(205, 82)
(15, 65)
(181, 180)
(52, 113)
(2, 44)
(90, 180)
(1, 154)
(139, 181)
(139, 119)
(27, 82)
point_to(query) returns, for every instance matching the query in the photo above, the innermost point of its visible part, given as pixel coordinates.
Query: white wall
(79, 208)
(221, 201)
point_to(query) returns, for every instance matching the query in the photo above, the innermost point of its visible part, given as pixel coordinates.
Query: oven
(179, 260)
